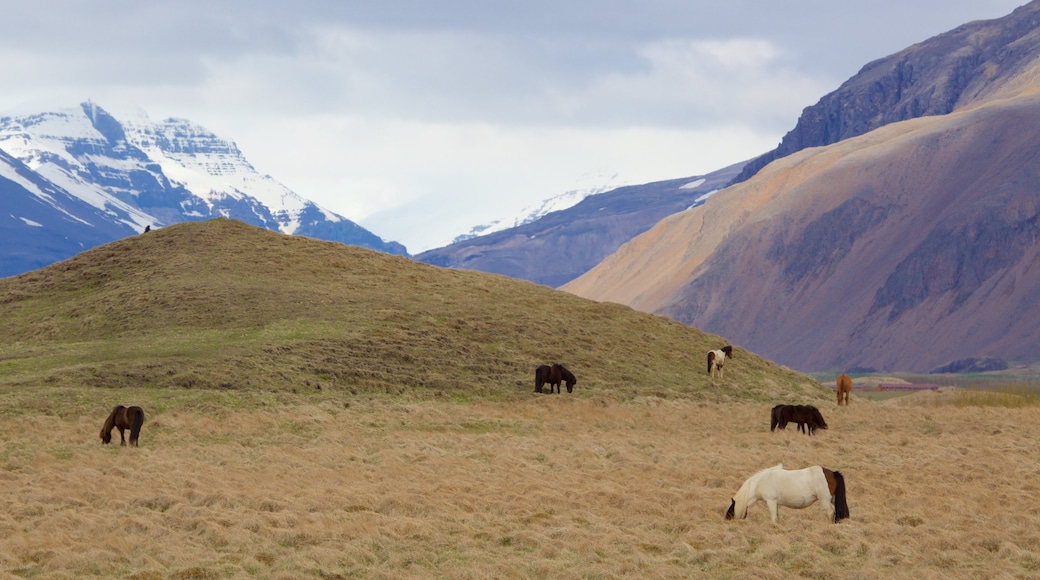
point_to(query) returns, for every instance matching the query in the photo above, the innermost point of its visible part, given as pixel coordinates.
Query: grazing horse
(717, 358)
(123, 418)
(797, 488)
(807, 417)
(553, 376)
(844, 388)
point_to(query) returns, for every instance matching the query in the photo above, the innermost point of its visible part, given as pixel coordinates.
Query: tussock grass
(562, 487)
(1010, 395)
(320, 411)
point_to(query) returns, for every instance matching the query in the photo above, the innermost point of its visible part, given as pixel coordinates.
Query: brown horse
(844, 388)
(123, 418)
(553, 376)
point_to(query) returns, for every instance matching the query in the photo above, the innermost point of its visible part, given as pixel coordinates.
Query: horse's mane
(110, 423)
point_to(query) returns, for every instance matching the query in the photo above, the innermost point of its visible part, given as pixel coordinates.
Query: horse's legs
(122, 440)
(773, 509)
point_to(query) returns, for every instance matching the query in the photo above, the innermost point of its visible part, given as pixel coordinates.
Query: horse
(807, 417)
(844, 388)
(795, 488)
(553, 376)
(123, 418)
(717, 358)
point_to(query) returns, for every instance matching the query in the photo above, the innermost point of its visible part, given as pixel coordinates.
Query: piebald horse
(796, 488)
(717, 358)
(844, 388)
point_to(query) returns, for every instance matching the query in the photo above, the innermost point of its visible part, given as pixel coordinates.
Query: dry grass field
(291, 486)
(320, 411)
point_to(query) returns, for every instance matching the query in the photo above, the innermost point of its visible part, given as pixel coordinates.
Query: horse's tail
(774, 418)
(739, 503)
(711, 357)
(110, 423)
(136, 421)
(841, 505)
(539, 378)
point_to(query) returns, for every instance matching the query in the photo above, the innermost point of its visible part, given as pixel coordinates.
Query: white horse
(717, 358)
(797, 488)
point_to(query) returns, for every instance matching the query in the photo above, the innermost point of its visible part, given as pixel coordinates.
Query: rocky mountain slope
(972, 63)
(909, 246)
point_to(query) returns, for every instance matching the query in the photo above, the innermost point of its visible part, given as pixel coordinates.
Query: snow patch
(694, 184)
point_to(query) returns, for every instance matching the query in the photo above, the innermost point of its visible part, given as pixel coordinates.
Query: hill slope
(221, 304)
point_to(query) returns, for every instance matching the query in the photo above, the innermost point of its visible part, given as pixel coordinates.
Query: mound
(221, 304)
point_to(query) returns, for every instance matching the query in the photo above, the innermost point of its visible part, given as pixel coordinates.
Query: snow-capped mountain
(134, 173)
(538, 210)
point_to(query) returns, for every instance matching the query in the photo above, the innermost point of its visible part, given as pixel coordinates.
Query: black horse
(123, 418)
(808, 418)
(553, 376)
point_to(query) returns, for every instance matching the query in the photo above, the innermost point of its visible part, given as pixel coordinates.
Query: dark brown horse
(844, 388)
(808, 418)
(123, 418)
(553, 376)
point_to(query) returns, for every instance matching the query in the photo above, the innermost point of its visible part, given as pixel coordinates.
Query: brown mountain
(903, 248)
(565, 244)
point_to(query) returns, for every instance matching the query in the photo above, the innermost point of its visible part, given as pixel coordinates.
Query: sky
(419, 119)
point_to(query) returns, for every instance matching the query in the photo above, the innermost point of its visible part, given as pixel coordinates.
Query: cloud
(473, 107)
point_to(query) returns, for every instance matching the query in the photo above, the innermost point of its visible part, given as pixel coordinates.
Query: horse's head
(728, 350)
(569, 378)
(818, 418)
(106, 437)
(732, 507)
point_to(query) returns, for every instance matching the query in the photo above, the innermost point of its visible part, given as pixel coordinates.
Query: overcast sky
(420, 118)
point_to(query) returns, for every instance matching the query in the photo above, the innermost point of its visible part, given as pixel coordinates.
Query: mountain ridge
(976, 61)
(562, 245)
(139, 173)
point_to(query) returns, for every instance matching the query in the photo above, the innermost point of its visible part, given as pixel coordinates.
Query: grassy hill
(224, 305)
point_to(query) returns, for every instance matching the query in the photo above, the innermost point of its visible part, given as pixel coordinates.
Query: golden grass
(320, 411)
(548, 487)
